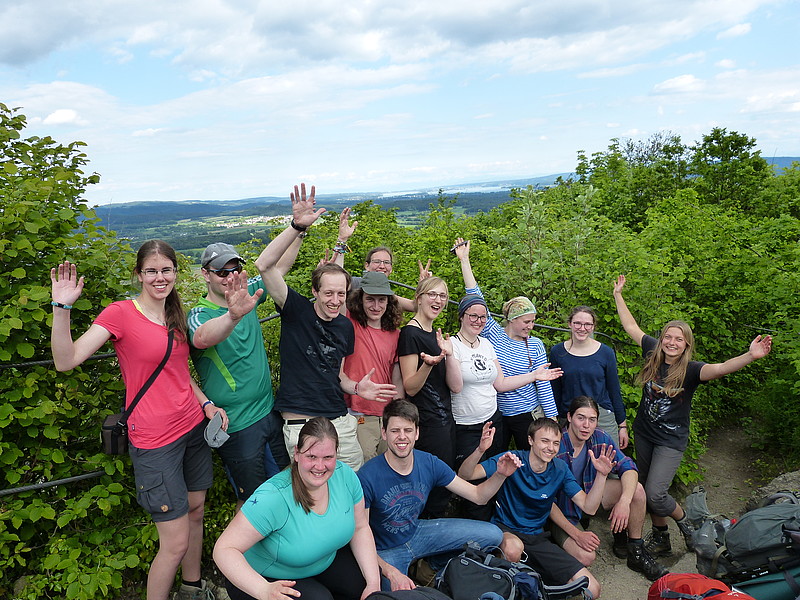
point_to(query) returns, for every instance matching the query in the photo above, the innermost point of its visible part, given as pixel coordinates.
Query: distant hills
(179, 221)
(188, 224)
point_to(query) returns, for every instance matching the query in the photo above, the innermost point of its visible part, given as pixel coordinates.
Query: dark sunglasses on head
(226, 272)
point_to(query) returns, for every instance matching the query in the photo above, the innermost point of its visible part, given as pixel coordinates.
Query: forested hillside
(705, 231)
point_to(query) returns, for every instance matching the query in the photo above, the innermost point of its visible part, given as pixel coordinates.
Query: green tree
(66, 542)
(728, 170)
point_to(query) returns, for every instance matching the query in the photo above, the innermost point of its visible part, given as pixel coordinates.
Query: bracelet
(60, 305)
(622, 426)
(341, 247)
(206, 403)
(355, 389)
(297, 227)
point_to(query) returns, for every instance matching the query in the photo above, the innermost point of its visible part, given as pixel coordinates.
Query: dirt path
(729, 478)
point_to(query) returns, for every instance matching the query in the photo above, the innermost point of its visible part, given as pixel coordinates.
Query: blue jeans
(437, 536)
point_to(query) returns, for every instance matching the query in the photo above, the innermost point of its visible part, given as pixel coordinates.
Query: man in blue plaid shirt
(623, 497)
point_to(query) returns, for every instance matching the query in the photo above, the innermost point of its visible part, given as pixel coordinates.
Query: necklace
(155, 318)
(419, 324)
(463, 338)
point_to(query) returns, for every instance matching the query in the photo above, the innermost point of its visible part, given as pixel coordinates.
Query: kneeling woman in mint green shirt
(304, 531)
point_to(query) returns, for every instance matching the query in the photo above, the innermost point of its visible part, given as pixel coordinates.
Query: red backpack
(692, 586)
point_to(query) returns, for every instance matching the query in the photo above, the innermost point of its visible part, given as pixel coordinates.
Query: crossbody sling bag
(115, 427)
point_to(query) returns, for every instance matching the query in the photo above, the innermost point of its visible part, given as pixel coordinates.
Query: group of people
(380, 423)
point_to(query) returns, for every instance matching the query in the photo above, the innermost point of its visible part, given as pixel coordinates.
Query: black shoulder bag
(115, 427)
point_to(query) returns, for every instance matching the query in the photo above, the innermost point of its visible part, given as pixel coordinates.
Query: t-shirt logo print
(328, 354)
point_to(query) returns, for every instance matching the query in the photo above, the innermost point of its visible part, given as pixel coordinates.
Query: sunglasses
(225, 272)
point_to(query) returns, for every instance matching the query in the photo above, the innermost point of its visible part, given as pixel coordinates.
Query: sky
(222, 99)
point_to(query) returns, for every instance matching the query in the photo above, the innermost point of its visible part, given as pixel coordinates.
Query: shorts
(369, 436)
(254, 454)
(558, 535)
(551, 562)
(349, 452)
(165, 476)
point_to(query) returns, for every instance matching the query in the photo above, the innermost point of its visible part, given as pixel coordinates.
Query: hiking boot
(620, 546)
(208, 591)
(687, 530)
(422, 573)
(640, 560)
(657, 543)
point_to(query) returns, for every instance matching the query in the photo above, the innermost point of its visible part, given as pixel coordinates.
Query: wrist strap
(124, 418)
(60, 305)
(297, 227)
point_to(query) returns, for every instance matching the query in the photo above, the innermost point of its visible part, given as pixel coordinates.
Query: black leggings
(517, 427)
(440, 441)
(341, 581)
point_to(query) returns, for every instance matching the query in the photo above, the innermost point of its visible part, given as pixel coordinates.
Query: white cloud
(64, 116)
(726, 63)
(149, 132)
(679, 85)
(735, 31)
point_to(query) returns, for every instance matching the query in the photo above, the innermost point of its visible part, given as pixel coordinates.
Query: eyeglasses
(378, 262)
(434, 295)
(473, 318)
(225, 272)
(165, 272)
(577, 325)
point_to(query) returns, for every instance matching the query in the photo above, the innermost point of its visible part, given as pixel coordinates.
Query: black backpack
(418, 593)
(474, 572)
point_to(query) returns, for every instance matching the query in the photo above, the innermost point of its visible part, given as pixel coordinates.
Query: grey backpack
(760, 541)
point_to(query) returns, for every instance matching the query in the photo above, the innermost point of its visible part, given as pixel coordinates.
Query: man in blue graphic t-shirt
(396, 486)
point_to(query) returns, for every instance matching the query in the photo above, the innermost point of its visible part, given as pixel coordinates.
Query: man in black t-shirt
(315, 338)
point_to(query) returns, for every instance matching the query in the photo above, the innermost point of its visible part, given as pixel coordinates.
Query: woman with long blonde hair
(661, 428)
(422, 351)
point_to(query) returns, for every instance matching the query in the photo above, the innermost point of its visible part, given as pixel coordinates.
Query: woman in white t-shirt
(474, 376)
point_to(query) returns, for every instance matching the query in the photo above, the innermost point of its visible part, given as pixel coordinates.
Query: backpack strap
(792, 583)
(680, 596)
(715, 559)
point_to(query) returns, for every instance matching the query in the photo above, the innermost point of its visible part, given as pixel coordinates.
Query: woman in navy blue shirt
(590, 369)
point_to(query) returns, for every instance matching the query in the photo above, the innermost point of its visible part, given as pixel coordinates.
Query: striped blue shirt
(518, 357)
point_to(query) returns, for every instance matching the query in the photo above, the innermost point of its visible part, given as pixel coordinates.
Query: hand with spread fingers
(303, 213)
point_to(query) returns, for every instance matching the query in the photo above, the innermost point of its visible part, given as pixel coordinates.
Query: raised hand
(346, 229)
(66, 285)
(544, 373)
(424, 271)
(604, 461)
(461, 248)
(303, 212)
(619, 284)
(760, 346)
(508, 464)
(238, 298)
(445, 343)
(328, 258)
(487, 437)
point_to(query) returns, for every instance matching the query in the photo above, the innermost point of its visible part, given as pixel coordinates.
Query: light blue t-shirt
(525, 499)
(297, 544)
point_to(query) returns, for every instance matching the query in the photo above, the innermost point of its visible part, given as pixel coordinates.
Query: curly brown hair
(390, 320)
